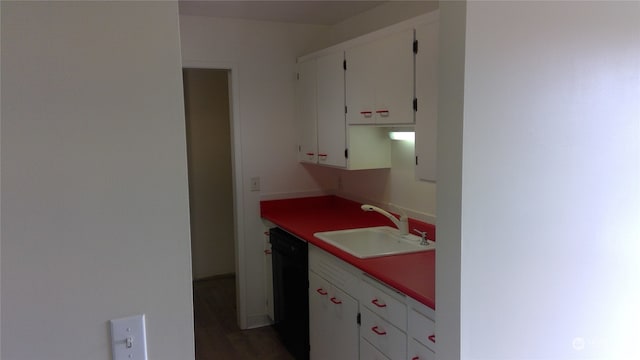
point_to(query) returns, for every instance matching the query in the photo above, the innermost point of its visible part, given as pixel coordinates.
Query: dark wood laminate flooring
(217, 335)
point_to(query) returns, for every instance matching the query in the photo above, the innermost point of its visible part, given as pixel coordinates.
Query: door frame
(237, 179)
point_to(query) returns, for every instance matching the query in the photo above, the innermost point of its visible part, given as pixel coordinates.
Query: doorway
(235, 147)
(209, 159)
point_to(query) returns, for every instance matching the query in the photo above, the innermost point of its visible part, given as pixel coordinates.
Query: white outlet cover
(128, 338)
(255, 183)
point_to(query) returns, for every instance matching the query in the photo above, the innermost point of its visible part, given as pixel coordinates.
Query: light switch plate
(128, 338)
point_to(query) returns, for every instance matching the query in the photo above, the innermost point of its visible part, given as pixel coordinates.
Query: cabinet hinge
(415, 104)
(344, 64)
(415, 46)
(346, 153)
(359, 319)
(297, 76)
(345, 109)
(416, 160)
(299, 148)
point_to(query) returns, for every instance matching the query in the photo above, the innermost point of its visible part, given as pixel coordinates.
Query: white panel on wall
(94, 185)
(551, 181)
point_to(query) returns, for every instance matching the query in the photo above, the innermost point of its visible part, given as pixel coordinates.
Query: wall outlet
(255, 183)
(128, 338)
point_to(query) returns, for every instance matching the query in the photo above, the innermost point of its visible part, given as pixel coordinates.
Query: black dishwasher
(290, 291)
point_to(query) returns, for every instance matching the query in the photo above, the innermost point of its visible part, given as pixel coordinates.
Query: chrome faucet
(423, 235)
(402, 224)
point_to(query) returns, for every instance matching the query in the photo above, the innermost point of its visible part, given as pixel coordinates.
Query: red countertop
(411, 274)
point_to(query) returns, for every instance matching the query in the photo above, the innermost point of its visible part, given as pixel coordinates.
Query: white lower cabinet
(421, 331)
(385, 302)
(368, 352)
(333, 313)
(352, 316)
(388, 339)
(417, 351)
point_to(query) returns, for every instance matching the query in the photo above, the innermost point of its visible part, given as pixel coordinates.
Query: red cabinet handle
(321, 291)
(335, 301)
(310, 154)
(382, 112)
(415, 358)
(378, 331)
(432, 337)
(377, 303)
(268, 252)
(322, 154)
(366, 114)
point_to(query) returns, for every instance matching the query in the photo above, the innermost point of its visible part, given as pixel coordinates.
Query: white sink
(374, 241)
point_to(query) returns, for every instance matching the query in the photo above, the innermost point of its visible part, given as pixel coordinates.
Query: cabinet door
(380, 80)
(427, 96)
(333, 327)
(360, 83)
(268, 270)
(368, 352)
(306, 112)
(387, 338)
(394, 79)
(330, 109)
(343, 312)
(319, 321)
(417, 351)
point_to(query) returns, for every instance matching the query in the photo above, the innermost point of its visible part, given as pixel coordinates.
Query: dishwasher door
(290, 291)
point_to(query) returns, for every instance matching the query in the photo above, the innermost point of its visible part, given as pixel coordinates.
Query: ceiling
(324, 12)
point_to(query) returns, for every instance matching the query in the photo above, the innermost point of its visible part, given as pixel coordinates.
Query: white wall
(449, 168)
(94, 181)
(262, 55)
(550, 181)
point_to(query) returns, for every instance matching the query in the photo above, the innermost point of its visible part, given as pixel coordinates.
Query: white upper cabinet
(427, 94)
(349, 95)
(306, 112)
(320, 111)
(380, 80)
(330, 109)
(323, 136)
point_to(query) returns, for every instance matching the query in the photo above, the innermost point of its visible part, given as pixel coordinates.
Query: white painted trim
(403, 25)
(237, 181)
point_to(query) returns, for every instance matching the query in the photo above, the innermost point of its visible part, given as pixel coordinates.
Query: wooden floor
(217, 334)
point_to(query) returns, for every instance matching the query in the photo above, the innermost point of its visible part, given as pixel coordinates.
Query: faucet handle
(423, 235)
